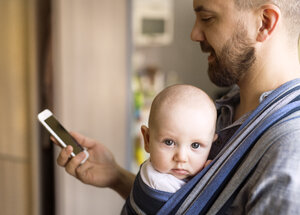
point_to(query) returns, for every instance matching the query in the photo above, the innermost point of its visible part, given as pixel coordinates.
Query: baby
(179, 137)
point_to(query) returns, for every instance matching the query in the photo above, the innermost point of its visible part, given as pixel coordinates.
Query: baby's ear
(215, 137)
(145, 133)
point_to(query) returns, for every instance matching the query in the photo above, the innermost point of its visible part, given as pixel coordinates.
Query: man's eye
(206, 19)
(195, 145)
(169, 142)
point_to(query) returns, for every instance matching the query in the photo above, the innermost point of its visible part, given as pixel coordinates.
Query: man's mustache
(205, 47)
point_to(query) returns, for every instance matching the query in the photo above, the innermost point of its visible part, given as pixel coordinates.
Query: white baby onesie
(159, 181)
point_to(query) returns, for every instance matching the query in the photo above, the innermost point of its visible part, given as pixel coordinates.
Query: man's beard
(236, 58)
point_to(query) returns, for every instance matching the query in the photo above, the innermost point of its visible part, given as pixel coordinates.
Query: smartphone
(64, 138)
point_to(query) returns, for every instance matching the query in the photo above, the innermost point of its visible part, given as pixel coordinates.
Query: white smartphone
(53, 126)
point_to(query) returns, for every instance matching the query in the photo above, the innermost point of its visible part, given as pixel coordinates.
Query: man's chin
(218, 79)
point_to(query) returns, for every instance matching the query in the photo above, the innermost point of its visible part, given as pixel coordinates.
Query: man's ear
(145, 133)
(269, 17)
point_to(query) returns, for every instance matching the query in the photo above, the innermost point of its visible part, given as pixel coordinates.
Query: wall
(299, 48)
(90, 82)
(182, 56)
(19, 181)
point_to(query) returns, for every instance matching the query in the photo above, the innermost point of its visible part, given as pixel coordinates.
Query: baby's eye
(195, 145)
(169, 142)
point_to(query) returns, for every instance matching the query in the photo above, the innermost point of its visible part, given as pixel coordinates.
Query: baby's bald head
(182, 97)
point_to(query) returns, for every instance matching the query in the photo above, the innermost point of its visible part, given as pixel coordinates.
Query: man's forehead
(211, 5)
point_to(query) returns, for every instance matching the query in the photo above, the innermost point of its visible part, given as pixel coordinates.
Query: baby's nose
(180, 155)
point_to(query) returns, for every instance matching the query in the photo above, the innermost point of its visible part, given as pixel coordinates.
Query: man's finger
(64, 156)
(74, 163)
(82, 171)
(54, 141)
(82, 140)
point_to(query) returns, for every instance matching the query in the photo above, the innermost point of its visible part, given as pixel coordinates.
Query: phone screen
(63, 134)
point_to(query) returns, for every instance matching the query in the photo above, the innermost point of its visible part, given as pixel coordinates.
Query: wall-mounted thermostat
(153, 22)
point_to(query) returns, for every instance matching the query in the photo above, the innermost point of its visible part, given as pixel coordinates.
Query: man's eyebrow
(201, 9)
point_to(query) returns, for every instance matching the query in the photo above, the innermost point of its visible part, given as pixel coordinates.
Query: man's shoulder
(287, 126)
(284, 137)
(274, 182)
(283, 140)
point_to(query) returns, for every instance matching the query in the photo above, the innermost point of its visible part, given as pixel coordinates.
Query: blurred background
(97, 64)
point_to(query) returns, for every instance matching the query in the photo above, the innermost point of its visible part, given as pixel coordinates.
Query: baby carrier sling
(210, 191)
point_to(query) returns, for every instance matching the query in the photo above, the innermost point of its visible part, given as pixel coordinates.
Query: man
(251, 43)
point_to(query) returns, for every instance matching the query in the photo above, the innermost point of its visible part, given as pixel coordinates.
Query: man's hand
(100, 169)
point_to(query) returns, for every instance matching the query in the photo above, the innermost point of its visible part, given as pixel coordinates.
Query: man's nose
(197, 34)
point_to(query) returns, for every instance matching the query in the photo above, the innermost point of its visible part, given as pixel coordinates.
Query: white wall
(90, 90)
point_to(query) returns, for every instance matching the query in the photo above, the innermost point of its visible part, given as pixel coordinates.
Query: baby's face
(180, 140)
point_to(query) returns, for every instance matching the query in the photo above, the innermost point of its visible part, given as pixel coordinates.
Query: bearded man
(252, 44)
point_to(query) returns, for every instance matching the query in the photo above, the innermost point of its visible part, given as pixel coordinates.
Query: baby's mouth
(180, 171)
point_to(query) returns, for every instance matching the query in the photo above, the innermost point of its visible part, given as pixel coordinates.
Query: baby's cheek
(159, 163)
(198, 166)
(161, 168)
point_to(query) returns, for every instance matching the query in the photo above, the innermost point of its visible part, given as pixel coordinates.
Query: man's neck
(260, 80)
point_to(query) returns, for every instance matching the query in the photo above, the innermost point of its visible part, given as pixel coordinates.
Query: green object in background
(138, 99)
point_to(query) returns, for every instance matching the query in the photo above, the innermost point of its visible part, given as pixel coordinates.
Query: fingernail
(69, 149)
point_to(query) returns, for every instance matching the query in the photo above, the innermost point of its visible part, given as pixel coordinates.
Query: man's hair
(290, 10)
